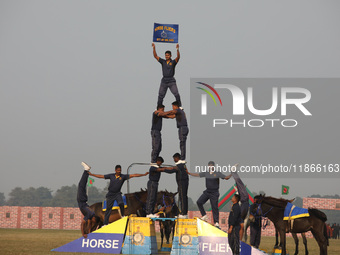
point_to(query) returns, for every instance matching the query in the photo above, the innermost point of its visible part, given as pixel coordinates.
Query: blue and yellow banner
(108, 239)
(185, 238)
(165, 33)
(215, 241)
(140, 236)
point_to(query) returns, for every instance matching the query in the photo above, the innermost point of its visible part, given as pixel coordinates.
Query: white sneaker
(182, 216)
(234, 168)
(205, 217)
(217, 225)
(86, 166)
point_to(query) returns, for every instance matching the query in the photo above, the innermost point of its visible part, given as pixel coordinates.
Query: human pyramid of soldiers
(238, 212)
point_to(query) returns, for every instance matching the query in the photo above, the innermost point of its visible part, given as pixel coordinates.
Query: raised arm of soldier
(155, 54)
(178, 55)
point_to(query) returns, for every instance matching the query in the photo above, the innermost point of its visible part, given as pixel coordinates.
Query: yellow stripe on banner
(206, 229)
(117, 227)
(296, 216)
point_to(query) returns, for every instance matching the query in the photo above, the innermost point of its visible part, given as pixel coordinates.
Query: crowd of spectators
(333, 231)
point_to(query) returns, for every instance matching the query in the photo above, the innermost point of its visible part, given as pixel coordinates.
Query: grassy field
(40, 242)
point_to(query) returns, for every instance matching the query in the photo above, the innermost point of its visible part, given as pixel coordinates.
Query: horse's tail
(317, 213)
(325, 233)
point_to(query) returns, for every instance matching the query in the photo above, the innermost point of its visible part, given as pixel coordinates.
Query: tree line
(66, 196)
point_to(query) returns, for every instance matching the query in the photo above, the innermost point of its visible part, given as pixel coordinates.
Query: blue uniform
(244, 197)
(182, 180)
(82, 197)
(212, 183)
(168, 81)
(234, 220)
(168, 69)
(152, 185)
(116, 183)
(183, 131)
(212, 180)
(255, 230)
(156, 136)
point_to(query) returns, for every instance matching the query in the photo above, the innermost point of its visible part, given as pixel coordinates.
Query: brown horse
(167, 227)
(273, 208)
(135, 202)
(277, 245)
(136, 205)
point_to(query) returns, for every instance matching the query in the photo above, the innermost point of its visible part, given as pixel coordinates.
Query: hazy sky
(78, 81)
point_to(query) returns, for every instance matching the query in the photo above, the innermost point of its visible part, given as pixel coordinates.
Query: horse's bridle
(260, 214)
(164, 203)
(259, 210)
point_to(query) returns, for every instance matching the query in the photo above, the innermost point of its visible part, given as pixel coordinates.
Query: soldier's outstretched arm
(97, 175)
(193, 174)
(138, 175)
(227, 177)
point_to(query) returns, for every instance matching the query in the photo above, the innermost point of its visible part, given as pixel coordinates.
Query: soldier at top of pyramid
(168, 80)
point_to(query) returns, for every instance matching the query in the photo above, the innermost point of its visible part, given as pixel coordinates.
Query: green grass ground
(40, 242)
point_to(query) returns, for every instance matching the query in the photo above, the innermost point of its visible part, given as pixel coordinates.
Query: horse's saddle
(293, 212)
(115, 204)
